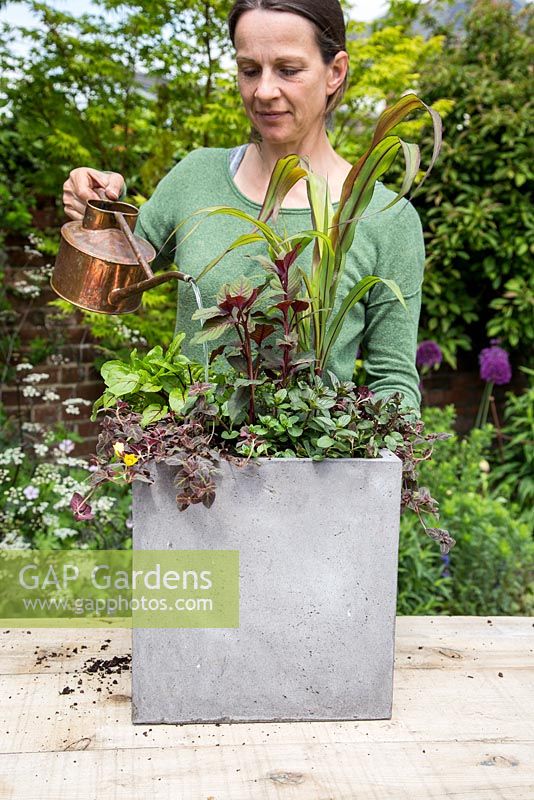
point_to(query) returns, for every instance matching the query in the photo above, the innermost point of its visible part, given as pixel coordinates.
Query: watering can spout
(116, 295)
(102, 265)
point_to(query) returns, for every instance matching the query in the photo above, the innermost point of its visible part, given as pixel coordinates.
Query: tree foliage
(137, 85)
(475, 207)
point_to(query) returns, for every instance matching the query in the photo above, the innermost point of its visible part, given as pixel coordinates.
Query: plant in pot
(313, 538)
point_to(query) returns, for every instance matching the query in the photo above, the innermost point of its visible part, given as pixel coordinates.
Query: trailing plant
(205, 422)
(512, 473)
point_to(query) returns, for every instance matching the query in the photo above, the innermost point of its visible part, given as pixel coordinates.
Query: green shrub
(513, 476)
(489, 571)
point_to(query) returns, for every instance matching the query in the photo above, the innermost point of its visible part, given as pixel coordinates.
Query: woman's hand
(85, 184)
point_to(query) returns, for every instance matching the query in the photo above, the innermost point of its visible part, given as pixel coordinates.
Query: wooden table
(462, 727)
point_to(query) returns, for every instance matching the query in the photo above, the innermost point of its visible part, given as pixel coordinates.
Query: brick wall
(69, 367)
(463, 388)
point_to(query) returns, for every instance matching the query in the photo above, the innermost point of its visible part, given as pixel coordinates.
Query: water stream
(198, 298)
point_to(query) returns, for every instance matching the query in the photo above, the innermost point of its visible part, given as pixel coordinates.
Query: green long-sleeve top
(388, 244)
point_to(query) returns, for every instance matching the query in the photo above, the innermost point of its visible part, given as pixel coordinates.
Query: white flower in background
(36, 240)
(14, 541)
(66, 446)
(73, 401)
(62, 533)
(40, 449)
(68, 461)
(31, 492)
(51, 520)
(92, 468)
(50, 396)
(71, 405)
(31, 391)
(129, 523)
(23, 366)
(32, 427)
(24, 289)
(103, 504)
(57, 359)
(36, 377)
(129, 334)
(13, 455)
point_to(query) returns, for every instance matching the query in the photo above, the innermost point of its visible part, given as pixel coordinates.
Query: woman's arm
(390, 337)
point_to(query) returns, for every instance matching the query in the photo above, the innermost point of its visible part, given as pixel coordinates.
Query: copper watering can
(101, 265)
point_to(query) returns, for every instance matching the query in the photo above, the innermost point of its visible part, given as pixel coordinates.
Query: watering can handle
(152, 280)
(123, 225)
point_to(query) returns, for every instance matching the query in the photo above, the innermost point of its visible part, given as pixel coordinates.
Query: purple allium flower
(31, 492)
(495, 365)
(428, 354)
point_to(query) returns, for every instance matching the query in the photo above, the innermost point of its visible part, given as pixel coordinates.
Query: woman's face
(283, 81)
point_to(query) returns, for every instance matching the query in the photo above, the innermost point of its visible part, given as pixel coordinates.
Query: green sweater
(389, 244)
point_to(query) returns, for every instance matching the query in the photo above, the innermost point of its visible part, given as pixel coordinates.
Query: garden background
(133, 87)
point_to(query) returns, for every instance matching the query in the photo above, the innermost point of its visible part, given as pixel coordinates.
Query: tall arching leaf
(286, 173)
(387, 121)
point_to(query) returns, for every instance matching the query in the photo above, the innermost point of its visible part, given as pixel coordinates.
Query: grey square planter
(318, 551)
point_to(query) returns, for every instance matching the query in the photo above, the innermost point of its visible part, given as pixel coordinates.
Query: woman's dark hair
(327, 18)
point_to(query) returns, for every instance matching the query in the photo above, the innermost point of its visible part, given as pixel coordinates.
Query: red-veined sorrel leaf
(80, 508)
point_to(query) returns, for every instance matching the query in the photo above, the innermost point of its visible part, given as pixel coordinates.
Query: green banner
(119, 588)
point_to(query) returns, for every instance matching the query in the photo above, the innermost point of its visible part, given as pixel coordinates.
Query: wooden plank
(27, 651)
(458, 727)
(472, 702)
(421, 642)
(35, 717)
(305, 770)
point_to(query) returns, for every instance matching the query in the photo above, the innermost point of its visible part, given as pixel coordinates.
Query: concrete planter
(318, 549)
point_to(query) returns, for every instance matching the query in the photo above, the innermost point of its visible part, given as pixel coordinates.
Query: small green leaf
(153, 413)
(119, 379)
(325, 441)
(177, 400)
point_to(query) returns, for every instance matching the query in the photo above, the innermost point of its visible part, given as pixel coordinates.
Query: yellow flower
(483, 465)
(118, 447)
(129, 459)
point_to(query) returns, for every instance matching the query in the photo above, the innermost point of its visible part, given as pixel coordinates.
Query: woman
(292, 73)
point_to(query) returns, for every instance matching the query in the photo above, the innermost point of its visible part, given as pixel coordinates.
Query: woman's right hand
(85, 184)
